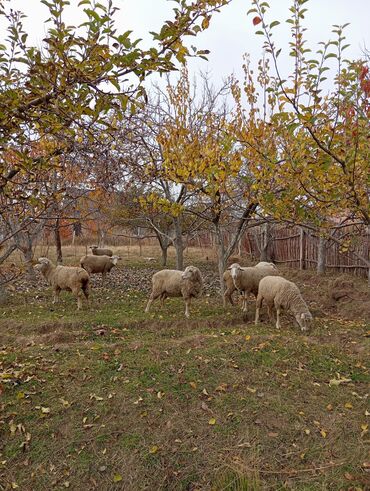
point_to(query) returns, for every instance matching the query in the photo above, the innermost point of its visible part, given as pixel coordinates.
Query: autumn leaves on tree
(285, 146)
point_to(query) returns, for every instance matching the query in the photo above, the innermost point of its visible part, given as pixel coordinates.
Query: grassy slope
(117, 395)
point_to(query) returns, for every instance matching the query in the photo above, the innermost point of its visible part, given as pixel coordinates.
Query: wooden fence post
(302, 248)
(321, 255)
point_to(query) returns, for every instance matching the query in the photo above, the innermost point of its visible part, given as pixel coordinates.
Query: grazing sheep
(101, 252)
(270, 268)
(69, 278)
(264, 264)
(281, 293)
(173, 283)
(98, 264)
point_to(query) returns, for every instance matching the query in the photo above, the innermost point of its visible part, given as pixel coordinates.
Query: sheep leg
(278, 317)
(270, 312)
(79, 301)
(187, 305)
(228, 296)
(152, 297)
(258, 306)
(103, 279)
(163, 298)
(85, 290)
(56, 295)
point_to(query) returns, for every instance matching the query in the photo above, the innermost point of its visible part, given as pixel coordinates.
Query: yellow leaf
(329, 407)
(20, 395)
(193, 384)
(64, 402)
(323, 433)
(45, 410)
(348, 405)
(153, 449)
(212, 421)
(338, 381)
(307, 431)
(117, 478)
(247, 338)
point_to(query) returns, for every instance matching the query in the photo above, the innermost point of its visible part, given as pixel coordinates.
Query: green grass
(113, 394)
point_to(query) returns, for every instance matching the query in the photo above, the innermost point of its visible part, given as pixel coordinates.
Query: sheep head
(304, 320)
(191, 273)
(43, 264)
(115, 259)
(235, 269)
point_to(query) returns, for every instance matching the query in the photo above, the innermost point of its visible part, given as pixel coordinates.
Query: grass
(113, 398)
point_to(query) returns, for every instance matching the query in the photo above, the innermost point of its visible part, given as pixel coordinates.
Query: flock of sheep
(262, 280)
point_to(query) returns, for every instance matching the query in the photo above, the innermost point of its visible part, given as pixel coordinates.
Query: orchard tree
(200, 151)
(310, 152)
(305, 135)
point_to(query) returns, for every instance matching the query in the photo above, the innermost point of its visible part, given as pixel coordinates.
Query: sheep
(246, 280)
(65, 278)
(264, 264)
(96, 251)
(281, 293)
(229, 282)
(173, 283)
(98, 264)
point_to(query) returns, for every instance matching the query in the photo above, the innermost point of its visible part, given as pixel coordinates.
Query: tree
(314, 162)
(200, 151)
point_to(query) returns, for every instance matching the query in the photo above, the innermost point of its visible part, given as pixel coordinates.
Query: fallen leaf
(307, 431)
(117, 478)
(329, 407)
(212, 421)
(365, 429)
(338, 381)
(45, 410)
(64, 402)
(193, 385)
(323, 433)
(348, 405)
(247, 338)
(154, 449)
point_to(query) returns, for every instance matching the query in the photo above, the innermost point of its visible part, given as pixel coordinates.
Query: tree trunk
(321, 255)
(179, 244)
(28, 256)
(58, 242)
(265, 245)
(221, 260)
(164, 249)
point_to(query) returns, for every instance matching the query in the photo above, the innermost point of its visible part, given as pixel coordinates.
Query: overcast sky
(231, 32)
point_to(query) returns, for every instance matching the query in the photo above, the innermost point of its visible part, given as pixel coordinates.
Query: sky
(231, 32)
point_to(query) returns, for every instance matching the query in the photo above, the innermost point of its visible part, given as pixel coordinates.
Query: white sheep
(101, 252)
(69, 278)
(229, 282)
(173, 283)
(98, 264)
(281, 293)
